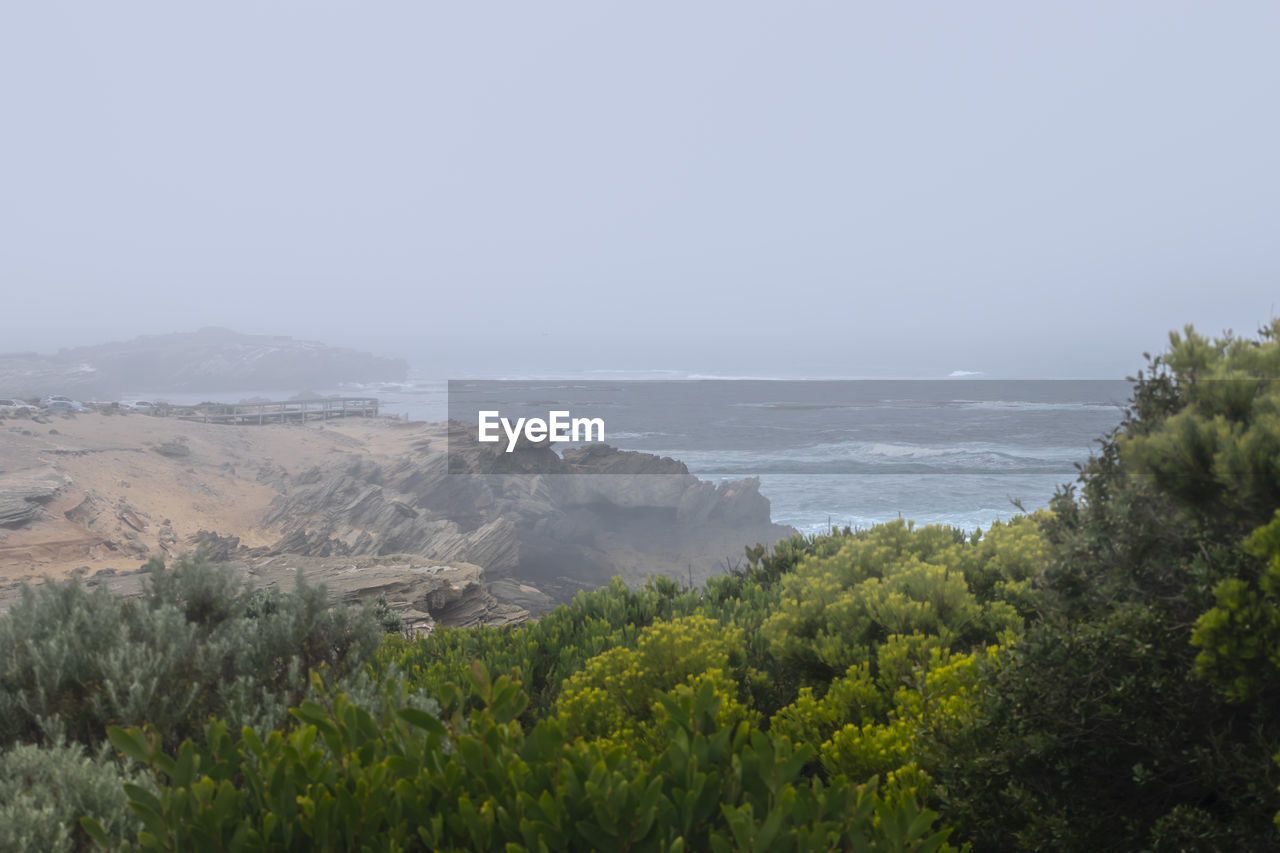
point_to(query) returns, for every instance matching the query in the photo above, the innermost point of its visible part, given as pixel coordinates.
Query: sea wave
(632, 436)
(873, 458)
(1019, 405)
(1035, 406)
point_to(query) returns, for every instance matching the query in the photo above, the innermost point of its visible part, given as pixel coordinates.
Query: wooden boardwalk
(282, 411)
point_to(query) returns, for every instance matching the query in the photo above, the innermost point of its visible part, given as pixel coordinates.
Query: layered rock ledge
(87, 493)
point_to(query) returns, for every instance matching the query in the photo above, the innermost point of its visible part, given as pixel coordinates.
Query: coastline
(115, 490)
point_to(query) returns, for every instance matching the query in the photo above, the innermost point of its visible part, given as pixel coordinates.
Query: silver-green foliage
(194, 645)
(45, 790)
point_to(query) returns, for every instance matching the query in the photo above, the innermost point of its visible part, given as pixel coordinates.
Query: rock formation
(24, 493)
(557, 522)
(95, 494)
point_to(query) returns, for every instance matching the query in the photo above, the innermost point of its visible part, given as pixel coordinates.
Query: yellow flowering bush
(614, 695)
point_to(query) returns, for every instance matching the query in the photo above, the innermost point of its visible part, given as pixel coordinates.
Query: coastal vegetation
(1100, 675)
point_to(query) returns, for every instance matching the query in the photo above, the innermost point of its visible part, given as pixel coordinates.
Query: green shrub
(476, 781)
(614, 695)
(45, 790)
(195, 644)
(892, 579)
(1139, 712)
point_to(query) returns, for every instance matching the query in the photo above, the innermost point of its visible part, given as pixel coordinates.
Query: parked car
(55, 398)
(65, 406)
(15, 405)
(138, 406)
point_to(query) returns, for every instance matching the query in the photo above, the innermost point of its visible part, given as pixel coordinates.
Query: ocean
(962, 452)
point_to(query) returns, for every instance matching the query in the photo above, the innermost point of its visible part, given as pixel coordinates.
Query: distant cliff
(210, 359)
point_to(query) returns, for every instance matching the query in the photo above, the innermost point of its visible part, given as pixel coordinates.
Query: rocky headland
(211, 359)
(364, 505)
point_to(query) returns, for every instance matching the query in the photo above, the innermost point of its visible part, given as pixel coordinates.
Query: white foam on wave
(631, 436)
(907, 451)
(1035, 406)
(860, 457)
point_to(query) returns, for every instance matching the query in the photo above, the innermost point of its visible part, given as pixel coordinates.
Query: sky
(737, 188)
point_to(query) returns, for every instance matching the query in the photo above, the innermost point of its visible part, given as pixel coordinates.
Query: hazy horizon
(725, 189)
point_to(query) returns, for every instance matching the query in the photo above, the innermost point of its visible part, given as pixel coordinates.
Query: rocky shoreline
(363, 507)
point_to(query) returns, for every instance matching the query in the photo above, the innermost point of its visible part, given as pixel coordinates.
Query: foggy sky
(892, 189)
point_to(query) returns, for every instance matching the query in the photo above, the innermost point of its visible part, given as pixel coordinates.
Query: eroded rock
(23, 494)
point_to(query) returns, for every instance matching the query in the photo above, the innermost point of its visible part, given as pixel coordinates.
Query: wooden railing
(274, 412)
